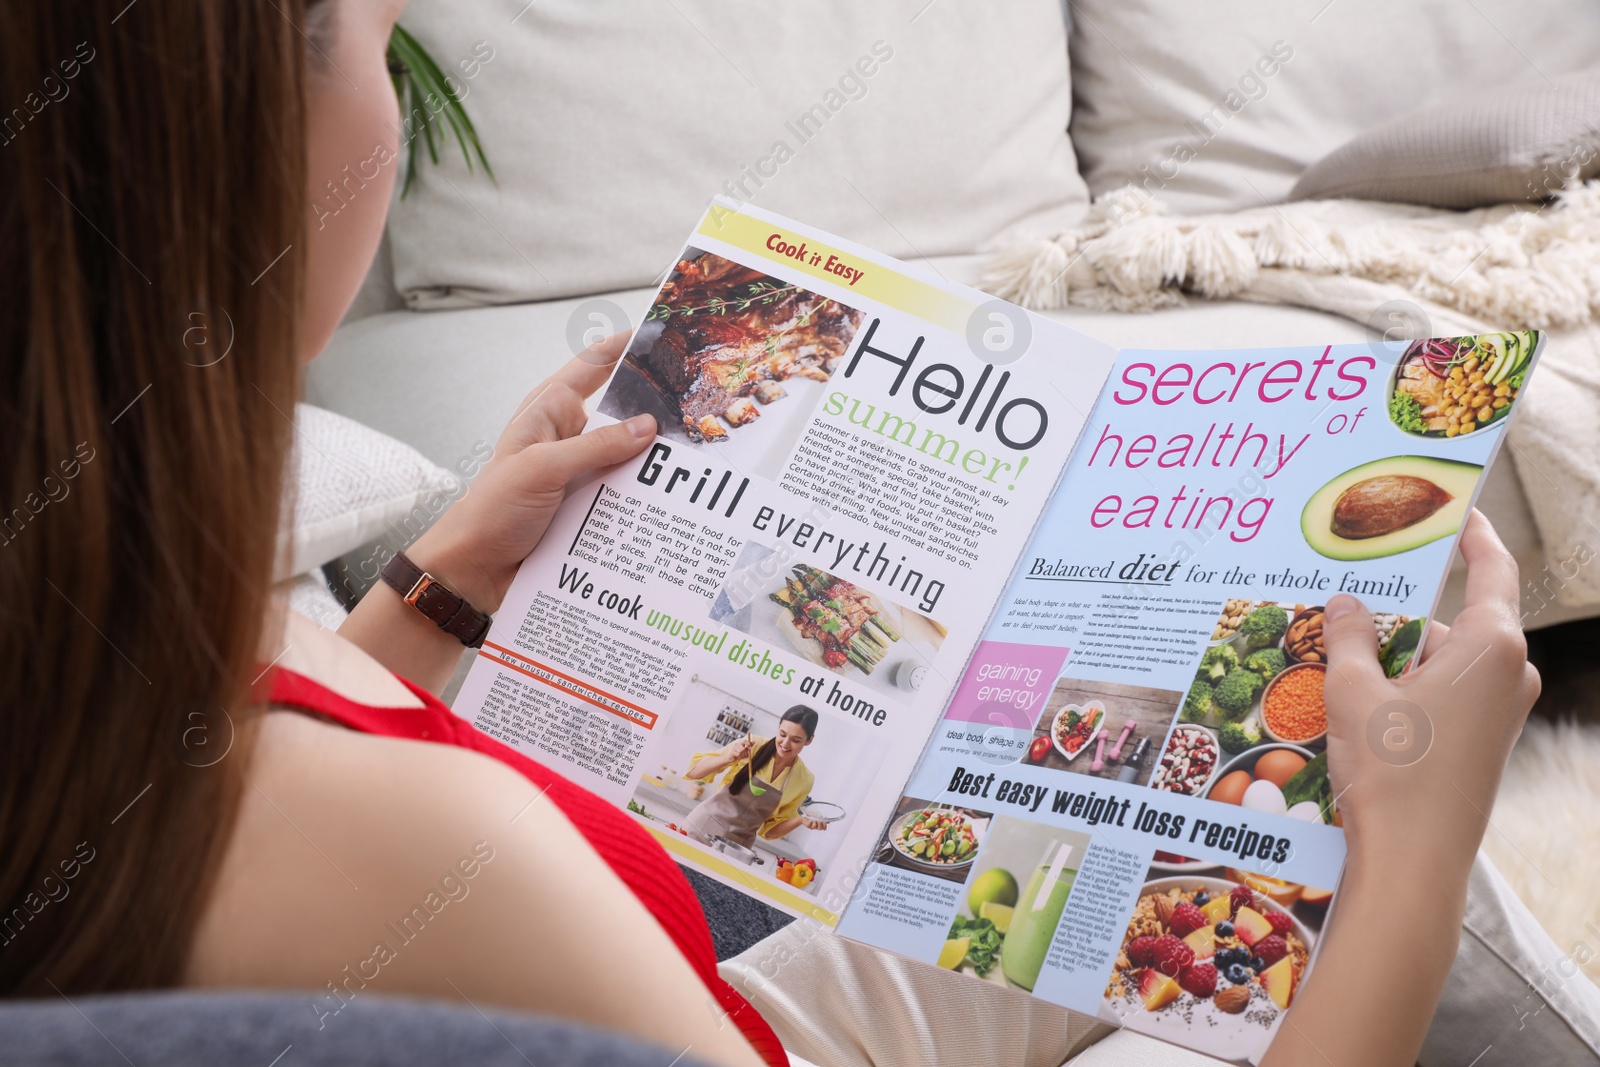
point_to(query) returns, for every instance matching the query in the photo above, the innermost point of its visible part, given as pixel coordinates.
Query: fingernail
(1340, 606)
(641, 425)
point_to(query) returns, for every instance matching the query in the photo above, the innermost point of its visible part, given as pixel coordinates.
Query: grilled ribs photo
(733, 333)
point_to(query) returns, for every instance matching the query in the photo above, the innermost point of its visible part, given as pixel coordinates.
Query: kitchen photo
(769, 786)
(1252, 729)
(844, 629)
(729, 354)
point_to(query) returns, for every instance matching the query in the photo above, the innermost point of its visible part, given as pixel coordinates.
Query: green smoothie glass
(1038, 913)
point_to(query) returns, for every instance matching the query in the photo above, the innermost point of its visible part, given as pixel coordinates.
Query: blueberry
(1257, 963)
(1237, 973)
(1202, 898)
(1224, 928)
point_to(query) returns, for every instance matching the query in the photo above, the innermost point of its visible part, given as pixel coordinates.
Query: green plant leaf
(426, 96)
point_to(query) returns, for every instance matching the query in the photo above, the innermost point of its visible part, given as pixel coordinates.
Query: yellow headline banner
(846, 270)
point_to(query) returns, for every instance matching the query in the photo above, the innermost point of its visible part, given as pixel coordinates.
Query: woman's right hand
(1415, 761)
(741, 749)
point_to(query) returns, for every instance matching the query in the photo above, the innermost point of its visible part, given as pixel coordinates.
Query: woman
(760, 793)
(231, 826)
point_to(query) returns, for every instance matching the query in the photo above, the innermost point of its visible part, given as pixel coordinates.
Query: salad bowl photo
(1455, 387)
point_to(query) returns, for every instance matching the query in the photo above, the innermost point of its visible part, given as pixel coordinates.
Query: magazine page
(1136, 752)
(747, 634)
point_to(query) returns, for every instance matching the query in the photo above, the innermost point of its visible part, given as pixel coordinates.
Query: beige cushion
(912, 127)
(1176, 96)
(1491, 148)
(349, 485)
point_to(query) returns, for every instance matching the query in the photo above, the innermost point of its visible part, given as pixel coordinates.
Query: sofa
(610, 124)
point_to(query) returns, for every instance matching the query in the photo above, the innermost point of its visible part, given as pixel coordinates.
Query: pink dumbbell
(1100, 750)
(1116, 750)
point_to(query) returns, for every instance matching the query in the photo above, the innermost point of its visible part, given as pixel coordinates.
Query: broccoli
(1197, 705)
(1267, 662)
(1216, 663)
(1235, 693)
(1236, 737)
(1263, 627)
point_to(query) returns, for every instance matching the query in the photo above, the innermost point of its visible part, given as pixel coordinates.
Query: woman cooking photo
(764, 782)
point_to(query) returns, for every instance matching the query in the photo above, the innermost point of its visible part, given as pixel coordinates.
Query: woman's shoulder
(339, 832)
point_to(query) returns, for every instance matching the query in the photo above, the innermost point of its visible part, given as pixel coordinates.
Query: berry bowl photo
(1208, 963)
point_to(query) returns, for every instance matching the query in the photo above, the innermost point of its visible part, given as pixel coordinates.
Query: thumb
(601, 447)
(1351, 641)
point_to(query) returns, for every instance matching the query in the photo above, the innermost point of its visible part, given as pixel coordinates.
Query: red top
(631, 853)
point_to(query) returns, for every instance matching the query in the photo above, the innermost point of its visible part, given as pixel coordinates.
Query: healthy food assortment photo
(1252, 728)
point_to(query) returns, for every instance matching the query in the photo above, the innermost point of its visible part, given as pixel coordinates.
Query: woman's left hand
(812, 824)
(476, 547)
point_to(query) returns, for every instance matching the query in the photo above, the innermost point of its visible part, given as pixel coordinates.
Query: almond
(1234, 999)
(1164, 909)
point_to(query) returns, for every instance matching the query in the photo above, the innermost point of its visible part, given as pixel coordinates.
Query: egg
(1307, 810)
(1278, 766)
(1231, 788)
(1264, 796)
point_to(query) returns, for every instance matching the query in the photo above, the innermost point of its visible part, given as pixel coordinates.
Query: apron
(737, 818)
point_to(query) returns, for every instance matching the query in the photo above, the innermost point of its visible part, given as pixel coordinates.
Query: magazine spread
(852, 453)
(933, 621)
(1138, 745)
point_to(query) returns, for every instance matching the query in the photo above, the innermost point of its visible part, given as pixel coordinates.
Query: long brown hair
(152, 173)
(807, 720)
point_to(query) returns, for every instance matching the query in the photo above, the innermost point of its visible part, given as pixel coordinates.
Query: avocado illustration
(1389, 505)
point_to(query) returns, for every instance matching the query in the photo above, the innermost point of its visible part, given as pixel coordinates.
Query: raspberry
(1271, 949)
(1171, 955)
(1242, 896)
(1186, 919)
(1201, 980)
(1142, 951)
(1281, 923)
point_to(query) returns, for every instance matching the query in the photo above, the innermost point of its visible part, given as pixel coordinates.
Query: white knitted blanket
(1403, 270)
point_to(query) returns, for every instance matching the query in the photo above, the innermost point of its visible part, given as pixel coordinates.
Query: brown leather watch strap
(438, 604)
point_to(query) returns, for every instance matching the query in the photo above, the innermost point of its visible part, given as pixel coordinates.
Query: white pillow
(933, 128)
(349, 485)
(1488, 148)
(1219, 106)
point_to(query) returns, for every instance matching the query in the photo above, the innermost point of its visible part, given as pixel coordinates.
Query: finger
(1492, 578)
(1432, 640)
(601, 447)
(1351, 641)
(589, 369)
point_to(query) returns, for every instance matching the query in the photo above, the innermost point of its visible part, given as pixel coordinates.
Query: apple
(1218, 908)
(1156, 989)
(1317, 898)
(1278, 981)
(1251, 925)
(1203, 941)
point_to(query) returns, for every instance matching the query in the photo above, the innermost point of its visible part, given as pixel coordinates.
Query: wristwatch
(445, 609)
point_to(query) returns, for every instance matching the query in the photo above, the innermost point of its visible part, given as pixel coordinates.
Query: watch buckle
(423, 584)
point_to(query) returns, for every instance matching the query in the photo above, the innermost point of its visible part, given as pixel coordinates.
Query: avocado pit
(1381, 505)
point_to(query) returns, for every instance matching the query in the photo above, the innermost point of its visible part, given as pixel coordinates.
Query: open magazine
(941, 624)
